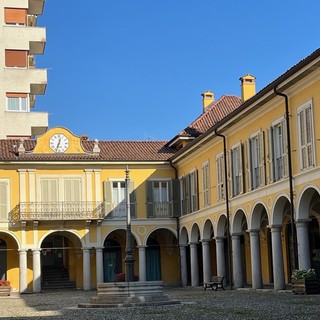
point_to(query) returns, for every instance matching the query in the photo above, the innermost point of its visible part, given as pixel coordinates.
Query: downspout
(177, 226)
(227, 204)
(287, 115)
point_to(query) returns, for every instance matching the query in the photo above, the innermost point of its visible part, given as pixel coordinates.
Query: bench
(215, 283)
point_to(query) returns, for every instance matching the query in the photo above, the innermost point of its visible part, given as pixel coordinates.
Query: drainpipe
(287, 115)
(227, 204)
(177, 227)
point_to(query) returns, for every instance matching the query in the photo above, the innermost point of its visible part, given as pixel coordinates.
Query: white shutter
(285, 169)
(240, 169)
(247, 164)
(49, 190)
(270, 156)
(262, 170)
(4, 200)
(72, 190)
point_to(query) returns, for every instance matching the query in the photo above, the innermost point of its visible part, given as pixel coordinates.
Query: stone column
(221, 261)
(304, 259)
(86, 269)
(206, 260)
(277, 258)
(237, 261)
(183, 264)
(36, 270)
(99, 264)
(23, 284)
(194, 264)
(255, 259)
(142, 263)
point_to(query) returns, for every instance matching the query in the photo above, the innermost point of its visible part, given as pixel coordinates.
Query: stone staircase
(56, 278)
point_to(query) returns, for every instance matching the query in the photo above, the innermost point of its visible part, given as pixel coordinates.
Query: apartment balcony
(36, 6)
(58, 211)
(25, 123)
(32, 80)
(32, 39)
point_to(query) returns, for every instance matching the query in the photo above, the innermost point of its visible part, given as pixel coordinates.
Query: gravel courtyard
(195, 304)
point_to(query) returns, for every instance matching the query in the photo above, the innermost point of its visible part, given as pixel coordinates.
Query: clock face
(59, 142)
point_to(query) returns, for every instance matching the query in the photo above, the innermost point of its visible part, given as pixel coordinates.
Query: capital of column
(303, 223)
(35, 250)
(205, 241)
(183, 245)
(85, 249)
(142, 247)
(22, 251)
(193, 244)
(253, 231)
(275, 227)
(219, 239)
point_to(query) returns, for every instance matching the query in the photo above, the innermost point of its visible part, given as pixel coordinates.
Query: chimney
(248, 87)
(207, 99)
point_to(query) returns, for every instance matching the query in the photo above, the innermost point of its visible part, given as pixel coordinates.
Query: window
(255, 154)
(163, 198)
(306, 136)
(278, 151)
(220, 177)
(15, 16)
(115, 198)
(236, 170)
(194, 190)
(206, 183)
(16, 58)
(17, 102)
(189, 192)
(4, 199)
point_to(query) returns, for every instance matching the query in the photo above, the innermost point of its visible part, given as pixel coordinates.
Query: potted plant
(5, 288)
(304, 282)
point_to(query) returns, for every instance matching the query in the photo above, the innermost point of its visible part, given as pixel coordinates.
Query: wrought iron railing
(61, 210)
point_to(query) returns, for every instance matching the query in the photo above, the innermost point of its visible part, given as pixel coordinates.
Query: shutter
(285, 150)
(196, 189)
(208, 184)
(107, 197)
(132, 200)
(49, 190)
(184, 195)
(188, 194)
(16, 58)
(241, 180)
(150, 203)
(247, 164)
(4, 197)
(174, 198)
(72, 190)
(230, 174)
(262, 170)
(270, 155)
(15, 16)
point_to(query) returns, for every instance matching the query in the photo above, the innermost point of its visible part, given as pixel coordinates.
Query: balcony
(25, 123)
(32, 39)
(36, 6)
(33, 81)
(58, 211)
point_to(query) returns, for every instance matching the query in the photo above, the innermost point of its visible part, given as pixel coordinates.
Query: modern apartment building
(20, 81)
(235, 194)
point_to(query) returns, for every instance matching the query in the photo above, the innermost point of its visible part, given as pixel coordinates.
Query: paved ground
(195, 304)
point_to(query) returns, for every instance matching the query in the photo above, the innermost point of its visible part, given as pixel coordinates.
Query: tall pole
(129, 259)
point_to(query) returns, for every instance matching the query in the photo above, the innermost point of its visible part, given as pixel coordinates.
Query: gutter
(227, 205)
(293, 234)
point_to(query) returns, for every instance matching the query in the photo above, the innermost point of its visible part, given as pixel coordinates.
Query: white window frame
(220, 177)
(5, 207)
(206, 183)
(27, 107)
(306, 149)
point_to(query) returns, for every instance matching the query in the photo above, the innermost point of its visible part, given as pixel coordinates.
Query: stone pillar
(221, 261)
(277, 258)
(183, 264)
(99, 264)
(36, 270)
(304, 259)
(255, 259)
(206, 260)
(142, 263)
(23, 284)
(194, 264)
(237, 261)
(86, 269)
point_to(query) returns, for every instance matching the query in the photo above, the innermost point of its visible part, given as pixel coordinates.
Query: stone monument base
(129, 294)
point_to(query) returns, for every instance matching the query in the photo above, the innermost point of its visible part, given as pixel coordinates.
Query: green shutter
(107, 195)
(270, 155)
(132, 200)
(150, 204)
(262, 170)
(174, 198)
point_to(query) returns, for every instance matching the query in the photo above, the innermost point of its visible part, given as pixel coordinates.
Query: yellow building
(234, 194)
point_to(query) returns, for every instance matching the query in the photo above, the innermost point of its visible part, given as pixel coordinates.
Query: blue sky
(135, 69)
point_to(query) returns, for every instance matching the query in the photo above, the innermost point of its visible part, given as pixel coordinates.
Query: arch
(133, 233)
(174, 232)
(208, 232)
(238, 222)
(221, 226)
(184, 238)
(13, 236)
(280, 206)
(195, 233)
(257, 216)
(70, 234)
(305, 201)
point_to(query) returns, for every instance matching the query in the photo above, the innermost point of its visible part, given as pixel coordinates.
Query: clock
(59, 142)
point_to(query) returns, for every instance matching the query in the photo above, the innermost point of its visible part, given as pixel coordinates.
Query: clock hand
(58, 144)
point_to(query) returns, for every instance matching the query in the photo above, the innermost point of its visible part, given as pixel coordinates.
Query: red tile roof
(109, 151)
(214, 113)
